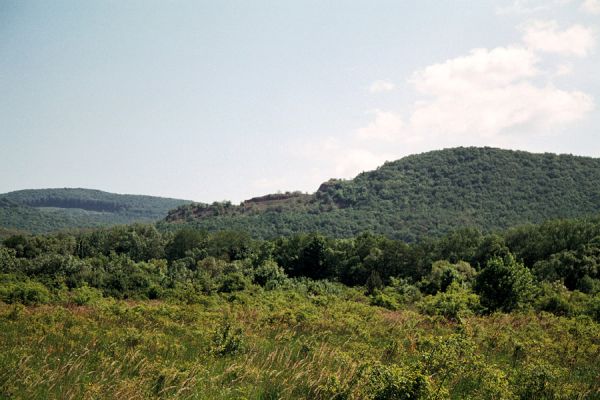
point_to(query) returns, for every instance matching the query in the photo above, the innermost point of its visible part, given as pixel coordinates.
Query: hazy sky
(232, 99)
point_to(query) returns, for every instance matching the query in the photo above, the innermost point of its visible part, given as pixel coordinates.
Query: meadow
(310, 340)
(131, 312)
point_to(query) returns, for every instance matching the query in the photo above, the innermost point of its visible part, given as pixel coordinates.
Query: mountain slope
(425, 194)
(46, 210)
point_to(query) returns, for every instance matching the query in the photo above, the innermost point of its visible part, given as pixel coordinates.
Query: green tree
(184, 241)
(505, 285)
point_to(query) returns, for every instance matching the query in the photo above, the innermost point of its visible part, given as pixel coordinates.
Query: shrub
(554, 298)
(184, 293)
(593, 308)
(538, 381)
(86, 295)
(443, 274)
(383, 300)
(8, 260)
(269, 274)
(232, 282)
(589, 285)
(404, 291)
(227, 340)
(456, 302)
(373, 283)
(26, 292)
(333, 389)
(505, 285)
(391, 382)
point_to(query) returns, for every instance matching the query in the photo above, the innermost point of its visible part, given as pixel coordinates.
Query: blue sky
(232, 99)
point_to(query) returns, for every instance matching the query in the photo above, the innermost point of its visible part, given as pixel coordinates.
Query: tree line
(552, 266)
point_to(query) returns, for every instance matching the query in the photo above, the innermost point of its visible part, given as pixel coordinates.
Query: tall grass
(285, 345)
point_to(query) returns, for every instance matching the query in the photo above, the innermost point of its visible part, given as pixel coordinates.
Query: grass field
(291, 343)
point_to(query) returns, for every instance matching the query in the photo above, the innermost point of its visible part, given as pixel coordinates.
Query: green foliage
(427, 194)
(403, 291)
(140, 262)
(374, 282)
(185, 241)
(8, 260)
(48, 210)
(593, 308)
(538, 381)
(14, 290)
(384, 300)
(391, 382)
(455, 302)
(233, 281)
(290, 343)
(269, 274)
(86, 295)
(443, 274)
(212, 330)
(505, 285)
(228, 340)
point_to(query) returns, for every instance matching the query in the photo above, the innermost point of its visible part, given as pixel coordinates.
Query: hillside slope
(46, 210)
(425, 194)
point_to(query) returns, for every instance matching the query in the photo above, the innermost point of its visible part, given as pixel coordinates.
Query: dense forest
(133, 312)
(48, 210)
(423, 195)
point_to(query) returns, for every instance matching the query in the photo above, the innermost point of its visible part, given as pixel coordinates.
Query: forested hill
(420, 195)
(46, 210)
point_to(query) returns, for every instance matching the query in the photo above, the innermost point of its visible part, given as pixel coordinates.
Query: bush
(269, 274)
(8, 260)
(538, 381)
(233, 281)
(333, 389)
(589, 285)
(554, 298)
(505, 285)
(383, 300)
(391, 382)
(26, 292)
(228, 340)
(593, 308)
(187, 293)
(86, 295)
(456, 302)
(443, 274)
(404, 291)
(373, 283)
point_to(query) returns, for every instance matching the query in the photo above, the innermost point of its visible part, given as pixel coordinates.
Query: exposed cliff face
(277, 202)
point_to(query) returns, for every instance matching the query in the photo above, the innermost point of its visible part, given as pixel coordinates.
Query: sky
(226, 100)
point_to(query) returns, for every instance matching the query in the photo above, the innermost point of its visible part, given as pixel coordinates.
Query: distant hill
(420, 195)
(46, 210)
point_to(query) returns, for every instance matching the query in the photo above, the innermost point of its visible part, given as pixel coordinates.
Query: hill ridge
(420, 194)
(52, 209)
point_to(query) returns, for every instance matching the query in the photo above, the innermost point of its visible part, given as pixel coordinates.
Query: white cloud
(354, 160)
(591, 6)
(492, 111)
(381, 86)
(386, 126)
(482, 68)
(341, 159)
(563, 69)
(545, 36)
(484, 94)
(530, 6)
